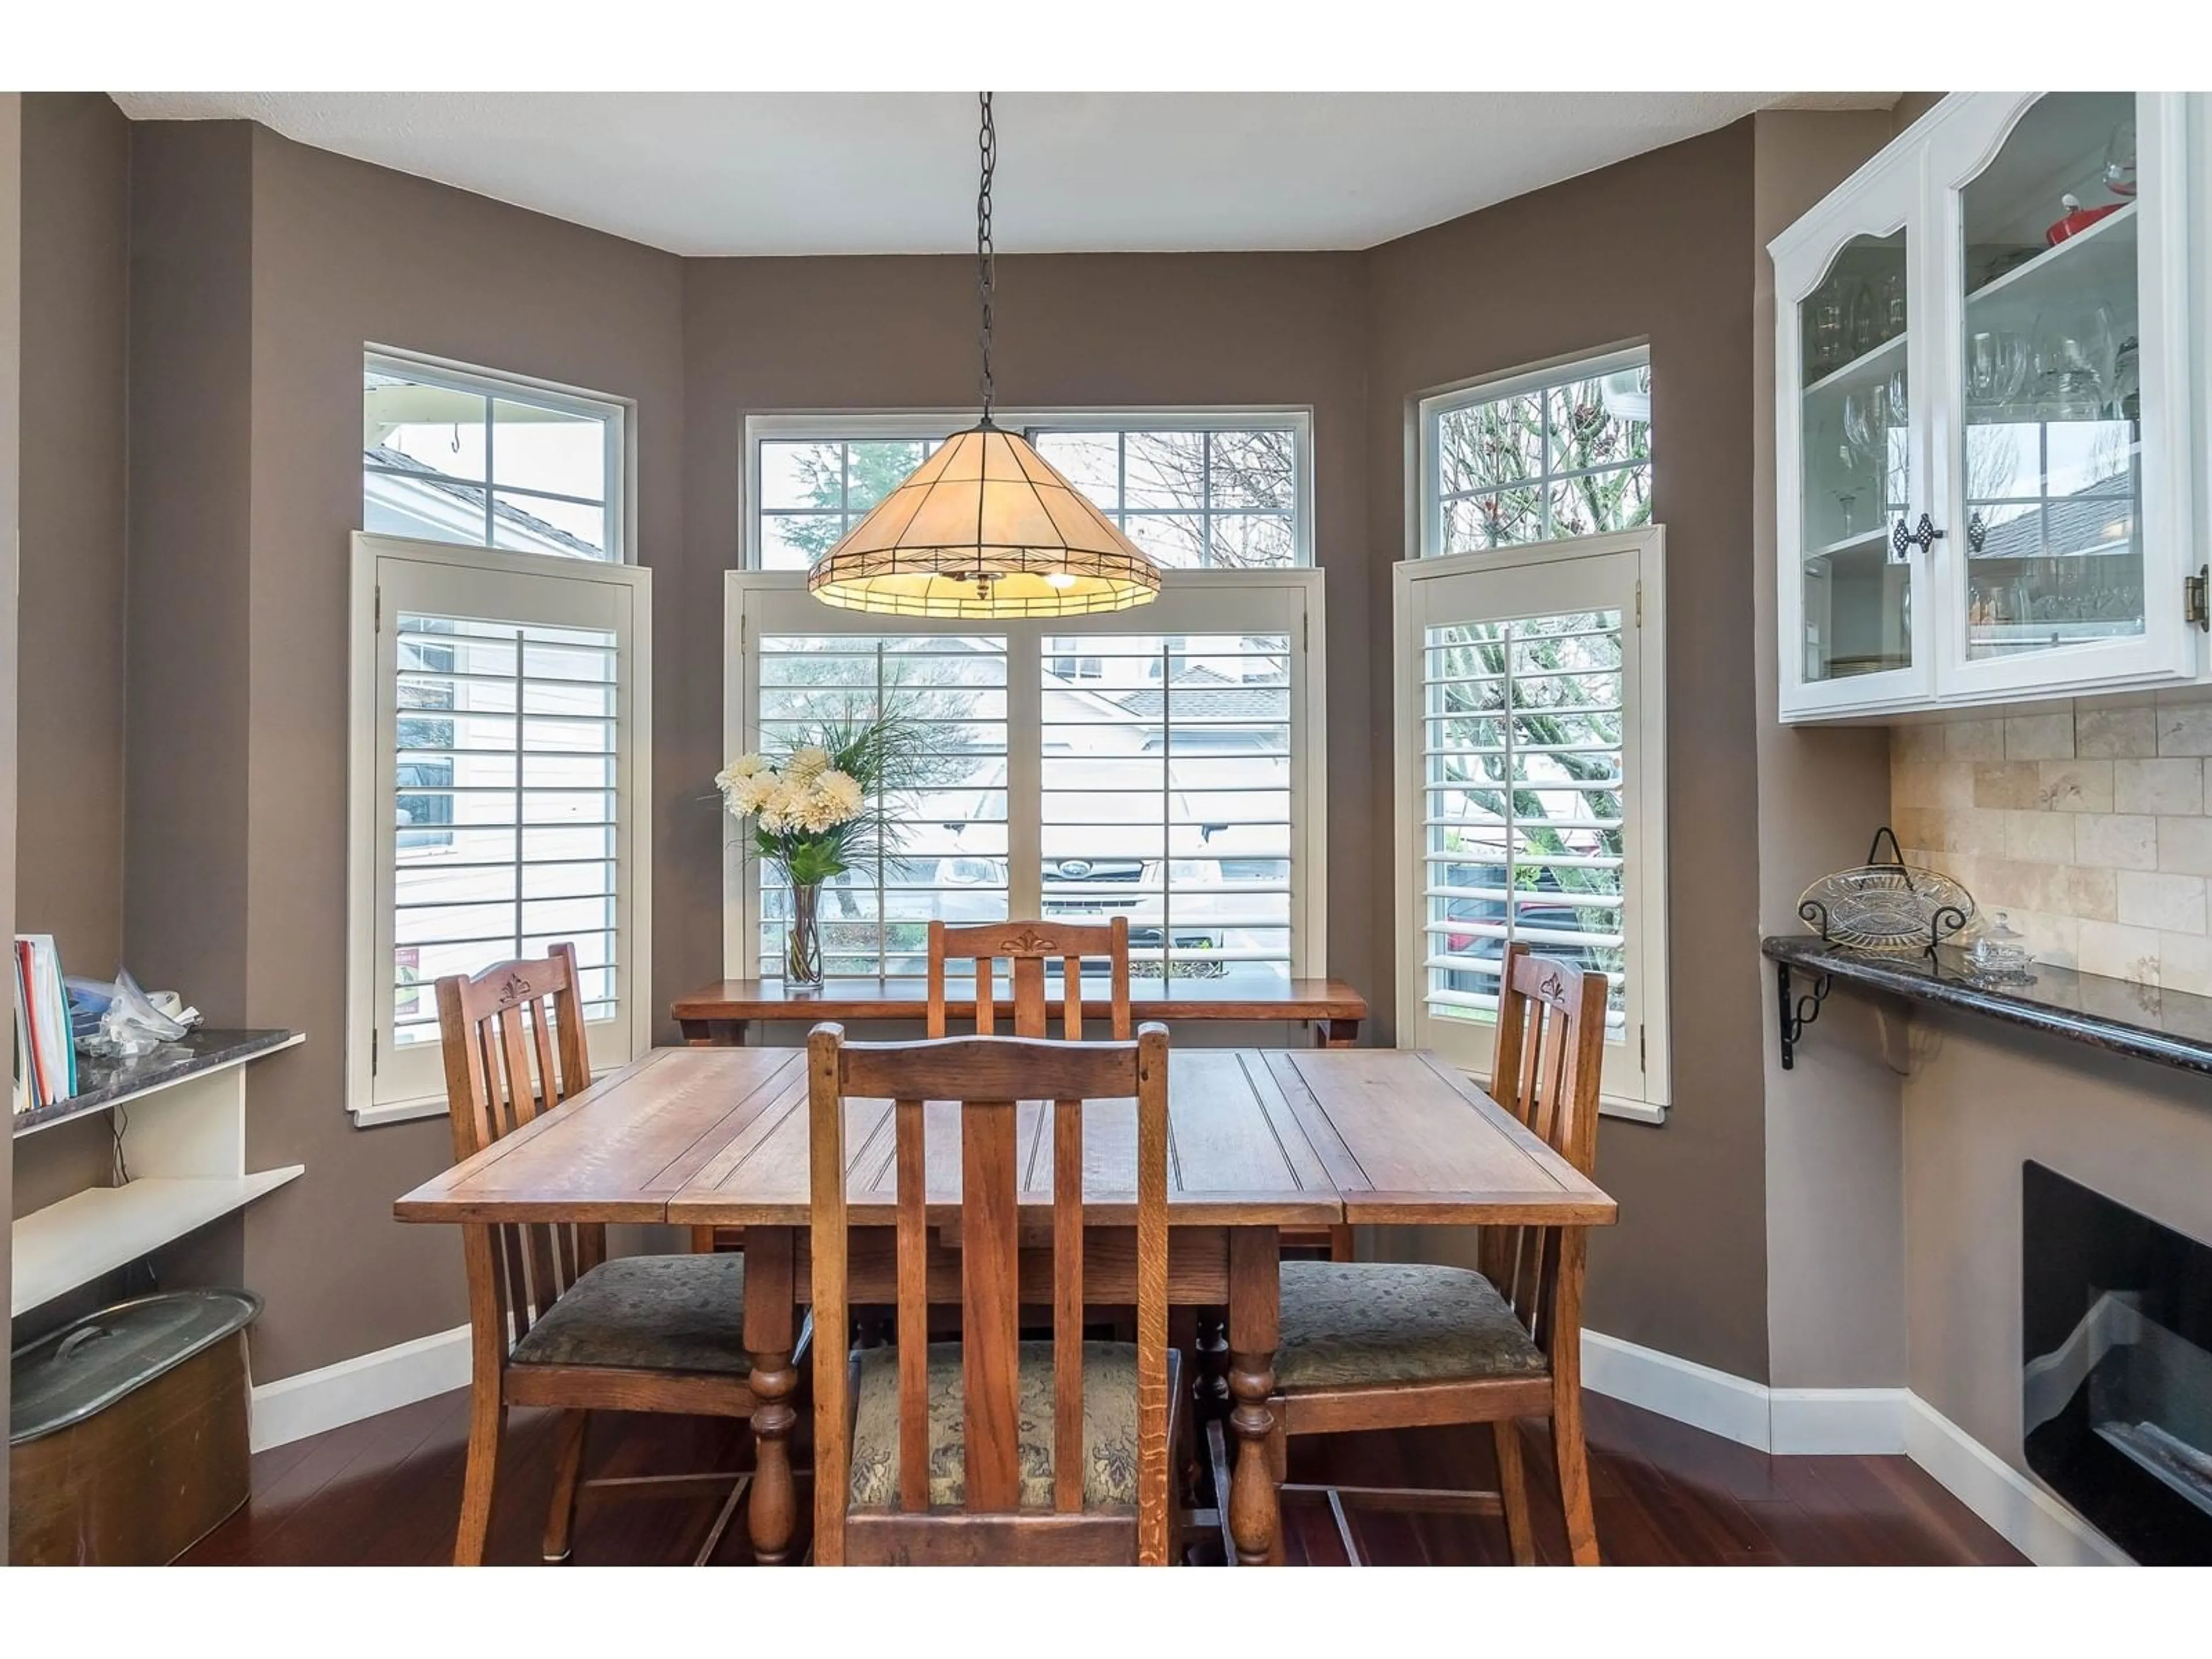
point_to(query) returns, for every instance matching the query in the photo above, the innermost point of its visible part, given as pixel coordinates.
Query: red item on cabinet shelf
(2077, 219)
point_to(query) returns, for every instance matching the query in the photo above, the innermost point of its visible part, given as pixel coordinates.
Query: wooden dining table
(1259, 1139)
(723, 1013)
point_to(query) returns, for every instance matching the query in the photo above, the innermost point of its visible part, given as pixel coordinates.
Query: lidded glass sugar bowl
(2000, 956)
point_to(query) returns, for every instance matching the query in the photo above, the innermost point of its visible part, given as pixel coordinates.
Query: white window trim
(1425, 530)
(847, 426)
(615, 414)
(1309, 743)
(365, 757)
(1650, 916)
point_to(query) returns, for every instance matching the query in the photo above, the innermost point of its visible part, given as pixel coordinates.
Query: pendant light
(986, 526)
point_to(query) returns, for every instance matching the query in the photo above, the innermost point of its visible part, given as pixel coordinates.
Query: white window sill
(396, 1111)
(1641, 1111)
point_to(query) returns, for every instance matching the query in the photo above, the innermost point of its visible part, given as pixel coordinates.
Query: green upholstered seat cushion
(1351, 1324)
(655, 1313)
(1109, 1426)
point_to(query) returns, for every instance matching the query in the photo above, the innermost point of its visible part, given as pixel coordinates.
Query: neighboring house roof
(410, 488)
(1261, 704)
(2068, 524)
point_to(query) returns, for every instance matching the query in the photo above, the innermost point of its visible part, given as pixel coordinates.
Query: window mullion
(521, 702)
(1026, 768)
(1167, 810)
(490, 521)
(883, 897)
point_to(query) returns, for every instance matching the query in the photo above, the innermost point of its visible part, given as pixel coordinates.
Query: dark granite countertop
(2169, 1028)
(106, 1081)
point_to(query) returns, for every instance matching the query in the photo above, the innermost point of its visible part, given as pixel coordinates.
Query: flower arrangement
(818, 810)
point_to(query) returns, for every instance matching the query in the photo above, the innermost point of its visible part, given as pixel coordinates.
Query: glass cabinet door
(1855, 463)
(2066, 559)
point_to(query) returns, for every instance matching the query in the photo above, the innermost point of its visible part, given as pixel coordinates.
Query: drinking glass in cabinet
(1855, 462)
(2051, 462)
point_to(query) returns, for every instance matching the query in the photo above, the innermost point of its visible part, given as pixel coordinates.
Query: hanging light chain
(988, 144)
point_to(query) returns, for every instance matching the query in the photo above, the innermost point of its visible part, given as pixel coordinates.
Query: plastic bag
(131, 1023)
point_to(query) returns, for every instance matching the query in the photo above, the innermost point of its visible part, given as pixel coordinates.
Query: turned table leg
(1255, 1307)
(772, 1512)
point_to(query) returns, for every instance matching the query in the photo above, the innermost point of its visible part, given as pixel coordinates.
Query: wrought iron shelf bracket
(1797, 1013)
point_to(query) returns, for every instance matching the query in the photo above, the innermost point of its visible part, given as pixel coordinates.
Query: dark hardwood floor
(386, 1490)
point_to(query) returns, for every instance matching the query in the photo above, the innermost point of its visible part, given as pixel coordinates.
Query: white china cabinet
(1983, 403)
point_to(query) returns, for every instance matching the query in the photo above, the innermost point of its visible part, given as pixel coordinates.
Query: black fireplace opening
(2116, 1376)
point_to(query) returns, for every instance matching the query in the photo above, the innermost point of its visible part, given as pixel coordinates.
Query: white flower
(804, 765)
(744, 767)
(749, 794)
(843, 791)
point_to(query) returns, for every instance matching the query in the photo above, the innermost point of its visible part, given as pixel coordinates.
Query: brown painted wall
(260, 271)
(1655, 248)
(11, 317)
(68, 868)
(1275, 330)
(345, 254)
(1835, 1201)
(69, 872)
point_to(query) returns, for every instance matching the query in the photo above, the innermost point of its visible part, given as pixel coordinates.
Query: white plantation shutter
(946, 857)
(1522, 753)
(1158, 763)
(1531, 754)
(1166, 792)
(499, 758)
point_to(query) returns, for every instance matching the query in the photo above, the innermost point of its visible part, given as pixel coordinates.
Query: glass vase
(802, 954)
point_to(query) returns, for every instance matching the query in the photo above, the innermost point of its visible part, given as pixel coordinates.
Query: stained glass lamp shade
(985, 527)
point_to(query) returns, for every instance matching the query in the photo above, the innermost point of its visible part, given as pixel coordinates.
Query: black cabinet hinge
(2195, 603)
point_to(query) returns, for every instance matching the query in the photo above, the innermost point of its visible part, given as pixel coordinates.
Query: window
(1532, 766)
(1157, 763)
(498, 796)
(449, 455)
(1564, 451)
(1212, 491)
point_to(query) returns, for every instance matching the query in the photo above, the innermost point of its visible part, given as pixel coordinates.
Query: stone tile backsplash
(2089, 827)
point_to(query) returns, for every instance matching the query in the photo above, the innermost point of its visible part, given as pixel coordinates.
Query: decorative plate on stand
(1887, 906)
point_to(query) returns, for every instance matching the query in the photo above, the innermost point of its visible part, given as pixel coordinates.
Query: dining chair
(992, 1449)
(552, 1320)
(1376, 1345)
(1027, 947)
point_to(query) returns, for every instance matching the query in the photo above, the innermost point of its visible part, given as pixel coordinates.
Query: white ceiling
(895, 173)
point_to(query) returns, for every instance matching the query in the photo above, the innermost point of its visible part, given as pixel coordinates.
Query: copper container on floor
(127, 1432)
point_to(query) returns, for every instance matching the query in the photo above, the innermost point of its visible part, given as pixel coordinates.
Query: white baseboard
(295, 1407)
(1863, 1421)
(2031, 1519)
(1815, 1421)
(1716, 1401)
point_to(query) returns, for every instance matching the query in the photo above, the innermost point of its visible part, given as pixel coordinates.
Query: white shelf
(2098, 262)
(1862, 367)
(1857, 538)
(183, 1147)
(96, 1231)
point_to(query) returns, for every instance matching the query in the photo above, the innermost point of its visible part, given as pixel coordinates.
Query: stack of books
(45, 1048)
